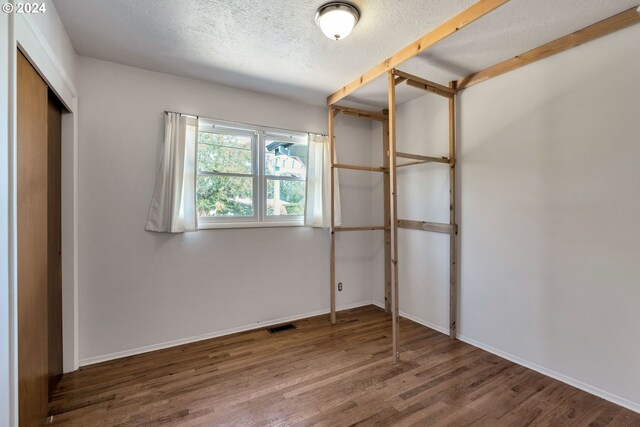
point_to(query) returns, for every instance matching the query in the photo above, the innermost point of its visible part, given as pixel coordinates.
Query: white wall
(549, 235)
(550, 240)
(140, 289)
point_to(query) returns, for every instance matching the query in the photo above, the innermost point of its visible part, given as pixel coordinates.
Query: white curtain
(317, 208)
(173, 207)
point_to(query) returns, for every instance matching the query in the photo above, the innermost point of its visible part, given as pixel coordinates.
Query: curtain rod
(251, 124)
(184, 114)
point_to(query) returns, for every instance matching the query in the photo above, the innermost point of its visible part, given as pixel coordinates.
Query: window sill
(214, 225)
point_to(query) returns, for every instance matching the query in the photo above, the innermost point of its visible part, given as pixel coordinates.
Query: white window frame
(260, 178)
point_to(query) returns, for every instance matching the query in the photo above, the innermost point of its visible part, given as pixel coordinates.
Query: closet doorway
(39, 114)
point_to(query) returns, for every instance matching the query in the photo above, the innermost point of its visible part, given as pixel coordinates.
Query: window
(249, 175)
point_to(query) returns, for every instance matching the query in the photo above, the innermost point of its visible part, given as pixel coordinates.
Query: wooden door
(54, 132)
(32, 224)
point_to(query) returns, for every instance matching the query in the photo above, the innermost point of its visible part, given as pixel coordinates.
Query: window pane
(285, 197)
(224, 196)
(225, 153)
(284, 158)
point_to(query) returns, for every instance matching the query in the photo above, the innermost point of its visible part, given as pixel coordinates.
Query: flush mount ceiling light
(337, 19)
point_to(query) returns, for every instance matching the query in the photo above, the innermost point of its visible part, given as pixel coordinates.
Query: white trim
(252, 326)
(8, 262)
(44, 59)
(13, 215)
(204, 225)
(555, 375)
(69, 194)
(208, 121)
(633, 406)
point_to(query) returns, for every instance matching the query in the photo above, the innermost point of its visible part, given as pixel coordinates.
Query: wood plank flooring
(319, 374)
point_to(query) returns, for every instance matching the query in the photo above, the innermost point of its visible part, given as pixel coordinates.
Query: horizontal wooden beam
(359, 168)
(360, 113)
(425, 84)
(592, 32)
(428, 88)
(381, 227)
(424, 159)
(417, 162)
(399, 80)
(461, 20)
(425, 226)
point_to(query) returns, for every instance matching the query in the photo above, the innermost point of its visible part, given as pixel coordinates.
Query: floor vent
(281, 328)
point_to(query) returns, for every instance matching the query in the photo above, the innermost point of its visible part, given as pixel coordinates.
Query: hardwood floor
(319, 374)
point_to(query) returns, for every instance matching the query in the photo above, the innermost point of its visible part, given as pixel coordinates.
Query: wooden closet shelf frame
(359, 168)
(364, 228)
(356, 112)
(436, 227)
(421, 158)
(428, 85)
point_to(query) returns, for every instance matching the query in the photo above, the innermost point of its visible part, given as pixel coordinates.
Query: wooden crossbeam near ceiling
(400, 80)
(425, 84)
(592, 32)
(360, 113)
(461, 20)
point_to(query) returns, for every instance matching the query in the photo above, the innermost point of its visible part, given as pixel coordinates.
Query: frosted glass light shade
(337, 19)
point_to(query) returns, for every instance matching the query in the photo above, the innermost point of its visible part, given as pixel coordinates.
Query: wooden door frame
(23, 33)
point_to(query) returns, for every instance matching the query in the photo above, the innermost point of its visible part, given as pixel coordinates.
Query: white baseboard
(167, 344)
(633, 406)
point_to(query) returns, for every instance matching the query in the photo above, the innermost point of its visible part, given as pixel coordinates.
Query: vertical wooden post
(387, 215)
(393, 210)
(453, 294)
(332, 253)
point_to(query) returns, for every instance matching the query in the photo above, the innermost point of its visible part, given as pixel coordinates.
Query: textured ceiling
(274, 46)
(514, 28)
